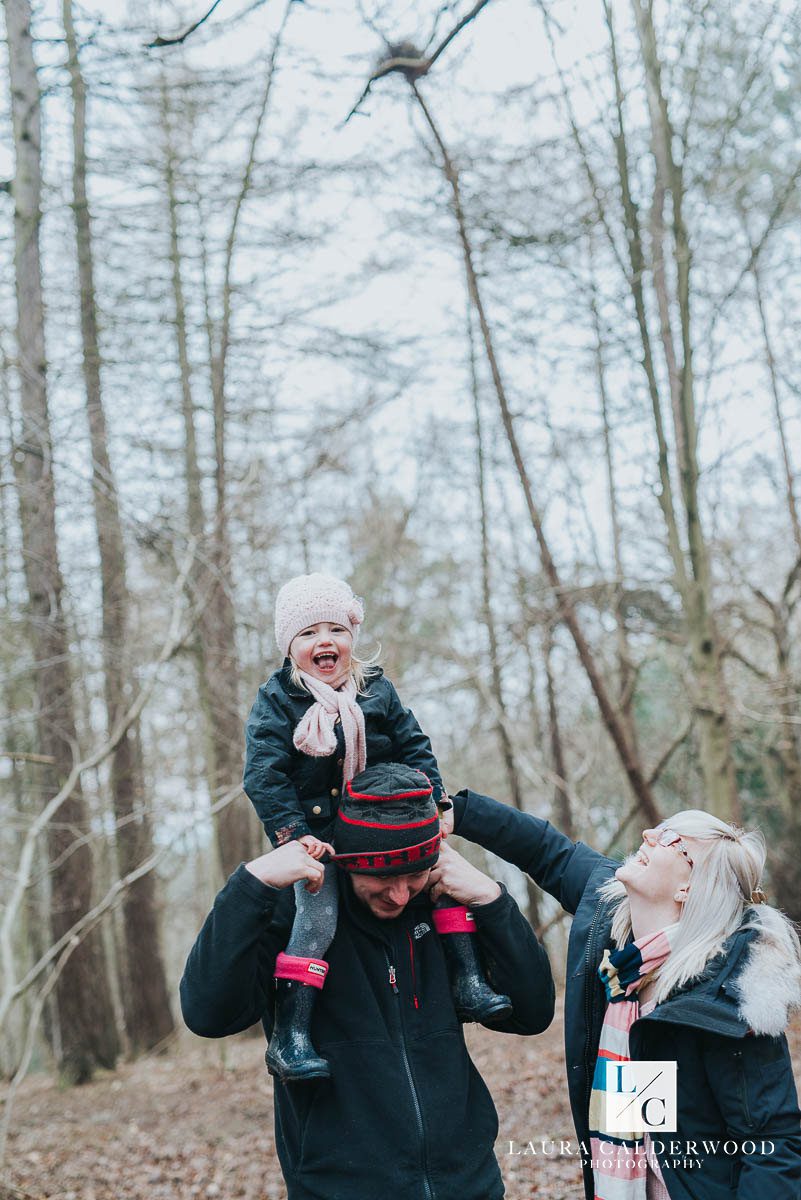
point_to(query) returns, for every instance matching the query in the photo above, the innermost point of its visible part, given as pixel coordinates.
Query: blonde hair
(362, 670)
(725, 882)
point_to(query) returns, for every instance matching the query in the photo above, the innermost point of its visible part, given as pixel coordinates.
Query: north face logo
(420, 930)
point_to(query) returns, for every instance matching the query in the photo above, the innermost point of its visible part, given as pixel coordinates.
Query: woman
(673, 956)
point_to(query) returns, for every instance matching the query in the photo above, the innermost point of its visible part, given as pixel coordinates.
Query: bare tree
(213, 582)
(88, 1036)
(144, 992)
(691, 570)
(562, 597)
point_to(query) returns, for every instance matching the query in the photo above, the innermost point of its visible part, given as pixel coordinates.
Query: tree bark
(561, 795)
(88, 1036)
(143, 983)
(513, 780)
(626, 672)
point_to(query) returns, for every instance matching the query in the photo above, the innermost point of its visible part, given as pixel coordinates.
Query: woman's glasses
(667, 837)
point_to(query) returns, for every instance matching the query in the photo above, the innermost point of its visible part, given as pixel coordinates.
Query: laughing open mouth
(326, 660)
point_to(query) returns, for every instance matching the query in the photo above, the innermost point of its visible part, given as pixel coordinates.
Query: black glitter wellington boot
(473, 998)
(291, 1055)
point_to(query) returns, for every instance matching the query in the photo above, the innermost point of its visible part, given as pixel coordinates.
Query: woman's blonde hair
(725, 881)
(361, 669)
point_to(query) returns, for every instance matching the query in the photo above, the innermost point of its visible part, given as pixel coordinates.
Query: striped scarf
(619, 1159)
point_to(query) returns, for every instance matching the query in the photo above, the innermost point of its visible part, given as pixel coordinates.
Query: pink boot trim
(303, 970)
(454, 920)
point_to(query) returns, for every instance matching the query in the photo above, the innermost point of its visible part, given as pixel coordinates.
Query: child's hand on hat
(286, 865)
(454, 876)
(314, 846)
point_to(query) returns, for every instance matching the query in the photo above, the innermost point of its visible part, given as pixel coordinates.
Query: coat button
(334, 791)
(317, 810)
(340, 762)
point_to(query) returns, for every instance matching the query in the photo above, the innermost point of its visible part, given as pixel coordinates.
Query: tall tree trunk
(88, 1036)
(711, 706)
(561, 796)
(143, 983)
(693, 581)
(211, 581)
(567, 611)
(626, 672)
(235, 824)
(496, 683)
(781, 433)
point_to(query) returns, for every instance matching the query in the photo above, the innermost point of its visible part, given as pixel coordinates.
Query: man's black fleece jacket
(406, 1113)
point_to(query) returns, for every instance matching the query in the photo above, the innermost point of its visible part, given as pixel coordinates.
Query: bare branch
(669, 751)
(68, 943)
(756, 249)
(179, 38)
(768, 718)
(415, 67)
(27, 1049)
(18, 756)
(173, 641)
(731, 651)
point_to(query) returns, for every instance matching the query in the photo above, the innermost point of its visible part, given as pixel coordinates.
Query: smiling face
(387, 895)
(659, 872)
(324, 651)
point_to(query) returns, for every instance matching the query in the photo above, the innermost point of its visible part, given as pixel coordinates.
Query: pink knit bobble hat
(307, 599)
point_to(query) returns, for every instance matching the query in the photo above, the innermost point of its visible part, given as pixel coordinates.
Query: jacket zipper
(743, 1086)
(418, 1111)
(589, 1004)
(414, 980)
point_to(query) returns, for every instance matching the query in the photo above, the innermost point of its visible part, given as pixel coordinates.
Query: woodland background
(493, 310)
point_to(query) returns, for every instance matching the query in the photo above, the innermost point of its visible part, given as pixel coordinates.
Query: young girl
(316, 724)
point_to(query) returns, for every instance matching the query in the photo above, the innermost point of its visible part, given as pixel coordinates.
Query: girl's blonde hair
(361, 669)
(724, 884)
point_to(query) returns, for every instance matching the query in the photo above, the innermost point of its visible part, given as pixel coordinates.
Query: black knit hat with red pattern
(387, 822)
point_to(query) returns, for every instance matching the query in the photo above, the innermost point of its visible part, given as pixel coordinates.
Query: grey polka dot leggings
(316, 918)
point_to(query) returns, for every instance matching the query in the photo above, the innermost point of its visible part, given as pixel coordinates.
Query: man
(405, 1112)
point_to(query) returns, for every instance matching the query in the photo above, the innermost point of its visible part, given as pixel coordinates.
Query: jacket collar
(285, 679)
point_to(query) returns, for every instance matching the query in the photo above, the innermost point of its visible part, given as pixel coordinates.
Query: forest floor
(199, 1123)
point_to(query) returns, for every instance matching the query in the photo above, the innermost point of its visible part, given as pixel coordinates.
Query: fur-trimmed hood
(767, 986)
(751, 986)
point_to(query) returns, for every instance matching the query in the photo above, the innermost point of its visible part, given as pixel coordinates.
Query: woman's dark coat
(725, 1030)
(295, 794)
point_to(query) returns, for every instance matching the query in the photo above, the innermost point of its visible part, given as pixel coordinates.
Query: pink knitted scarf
(315, 733)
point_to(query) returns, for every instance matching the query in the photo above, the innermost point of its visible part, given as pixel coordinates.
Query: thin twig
(180, 38)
